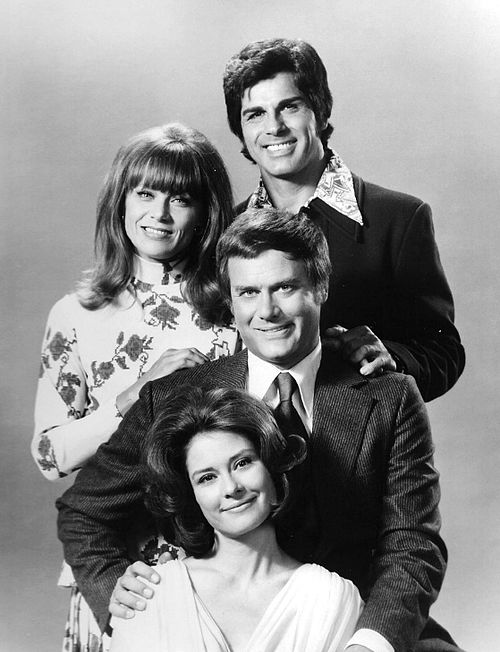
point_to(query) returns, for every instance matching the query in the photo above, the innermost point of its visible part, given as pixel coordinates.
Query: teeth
(150, 229)
(273, 330)
(278, 146)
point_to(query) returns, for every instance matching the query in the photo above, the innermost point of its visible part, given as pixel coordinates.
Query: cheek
(241, 314)
(129, 228)
(248, 136)
(206, 499)
(267, 484)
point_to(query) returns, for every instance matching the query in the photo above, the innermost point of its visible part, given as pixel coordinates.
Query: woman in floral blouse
(164, 204)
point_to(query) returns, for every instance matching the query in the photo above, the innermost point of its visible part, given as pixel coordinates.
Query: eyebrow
(281, 104)
(243, 451)
(293, 280)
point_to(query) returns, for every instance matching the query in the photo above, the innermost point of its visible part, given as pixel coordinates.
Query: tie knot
(286, 386)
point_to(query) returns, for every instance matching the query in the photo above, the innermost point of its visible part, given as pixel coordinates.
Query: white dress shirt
(262, 374)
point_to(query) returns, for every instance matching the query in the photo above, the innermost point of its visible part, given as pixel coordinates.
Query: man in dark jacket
(369, 490)
(389, 300)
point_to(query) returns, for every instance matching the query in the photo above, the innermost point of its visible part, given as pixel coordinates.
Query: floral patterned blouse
(91, 356)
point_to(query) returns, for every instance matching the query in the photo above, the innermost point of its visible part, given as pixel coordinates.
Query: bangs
(172, 170)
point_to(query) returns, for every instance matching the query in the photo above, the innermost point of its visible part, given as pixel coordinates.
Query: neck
(291, 193)
(253, 555)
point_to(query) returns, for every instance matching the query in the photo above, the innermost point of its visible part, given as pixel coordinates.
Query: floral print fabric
(89, 357)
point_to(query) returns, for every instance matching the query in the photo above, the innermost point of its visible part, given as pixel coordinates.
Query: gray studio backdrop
(416, 87)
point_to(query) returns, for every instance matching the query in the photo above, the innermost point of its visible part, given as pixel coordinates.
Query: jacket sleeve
(96, 512)
(67, 429)
(427, 345)
(410, 557)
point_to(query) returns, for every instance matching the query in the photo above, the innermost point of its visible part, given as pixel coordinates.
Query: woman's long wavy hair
(174, 159)
(186, 413)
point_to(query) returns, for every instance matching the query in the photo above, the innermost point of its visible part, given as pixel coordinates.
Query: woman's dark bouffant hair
(173, 159)
(192, 410)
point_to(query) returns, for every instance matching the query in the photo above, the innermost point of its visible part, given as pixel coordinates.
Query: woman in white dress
(216, 463)
(163, 206)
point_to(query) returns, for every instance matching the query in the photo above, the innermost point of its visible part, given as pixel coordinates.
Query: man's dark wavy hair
(184, 414)
(263, 60)
(258, 230)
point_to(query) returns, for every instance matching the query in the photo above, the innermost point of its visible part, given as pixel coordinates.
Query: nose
(160, 209)
(232, 487)
(274, 124)
(266, 307)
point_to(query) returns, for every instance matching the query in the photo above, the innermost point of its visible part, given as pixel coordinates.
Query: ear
(321, 295)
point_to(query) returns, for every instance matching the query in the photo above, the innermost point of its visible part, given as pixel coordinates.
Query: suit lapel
(339, 423)
(340, 416)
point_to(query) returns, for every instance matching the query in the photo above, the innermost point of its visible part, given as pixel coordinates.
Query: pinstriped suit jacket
(376, 490)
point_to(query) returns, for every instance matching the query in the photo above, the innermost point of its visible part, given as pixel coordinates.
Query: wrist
(400, 365)
(125, 400)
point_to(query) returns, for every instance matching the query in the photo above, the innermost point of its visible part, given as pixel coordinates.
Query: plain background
(417, 90)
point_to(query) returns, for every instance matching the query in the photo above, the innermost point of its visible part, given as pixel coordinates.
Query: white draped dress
(316, 611)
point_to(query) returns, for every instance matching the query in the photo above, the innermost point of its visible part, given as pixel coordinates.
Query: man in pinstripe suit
(373, 499)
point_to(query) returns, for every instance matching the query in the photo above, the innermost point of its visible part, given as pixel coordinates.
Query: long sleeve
(96, 513)
(68, 430)
(410, 557)
(428, 344)
(90, 356)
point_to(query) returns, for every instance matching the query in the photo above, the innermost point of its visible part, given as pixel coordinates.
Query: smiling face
(280, 131)
(231, 485)
(275, 307)
(160, 226)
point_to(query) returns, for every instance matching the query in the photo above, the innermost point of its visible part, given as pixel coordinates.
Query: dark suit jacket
(388, 275)
(374, 482)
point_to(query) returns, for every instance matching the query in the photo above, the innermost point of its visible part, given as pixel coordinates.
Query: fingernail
(147, 592)
(140, 604)
(155, 578)
(129, 614)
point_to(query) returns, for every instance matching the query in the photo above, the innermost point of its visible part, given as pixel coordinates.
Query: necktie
(298, 527)
(286, 415)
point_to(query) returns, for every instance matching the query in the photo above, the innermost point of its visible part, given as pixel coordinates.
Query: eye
(244, 461)
(254, 115)
(286, 288)
(181, 200)
(246, 292)
(291, 106)
(144, 194)
(207, 477)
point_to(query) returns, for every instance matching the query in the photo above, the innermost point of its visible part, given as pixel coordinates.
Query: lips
(275, 330)
(279, 147)
(239, 506)
(155, 232)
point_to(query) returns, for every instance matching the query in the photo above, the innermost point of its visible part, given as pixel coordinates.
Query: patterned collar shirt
(335, 188)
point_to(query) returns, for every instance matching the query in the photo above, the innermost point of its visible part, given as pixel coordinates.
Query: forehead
(267, 269)
(214, 447)
(271, 91)
(170, 172)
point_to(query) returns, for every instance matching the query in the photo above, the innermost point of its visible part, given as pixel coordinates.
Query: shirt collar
(156, 273)
(261, 375)
(335, 188)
